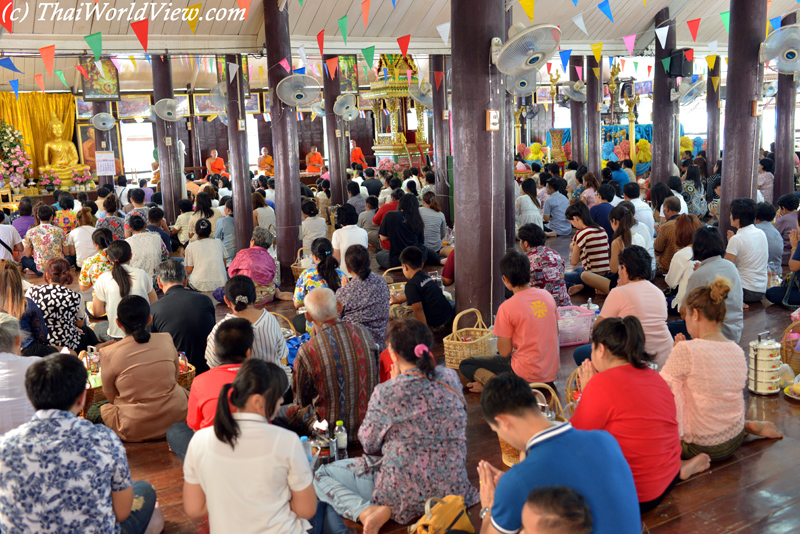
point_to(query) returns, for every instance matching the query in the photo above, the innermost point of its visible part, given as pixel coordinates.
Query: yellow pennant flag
(313, 116)
(726, 61)
(597, 49)
(711, 60)
(527, 5)
(545, 106)
(261, 73)
(715, 81)
(211, 118)
(596, 71)
(133, 61)
(192, 14)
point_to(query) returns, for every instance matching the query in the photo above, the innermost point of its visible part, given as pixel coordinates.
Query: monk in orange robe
(356, 155)
(214, 164)
(314, 160)
(266, 164)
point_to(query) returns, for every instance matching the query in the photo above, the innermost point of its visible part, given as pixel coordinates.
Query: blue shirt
(555, 206)
(621, 176)
(599, 213)
(226, 232)
(590, 462)
(57, 473)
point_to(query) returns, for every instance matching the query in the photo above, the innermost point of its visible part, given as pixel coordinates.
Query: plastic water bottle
(340, 434)
(307, 448)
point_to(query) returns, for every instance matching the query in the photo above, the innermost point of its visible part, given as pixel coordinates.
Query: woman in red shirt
(623, 395)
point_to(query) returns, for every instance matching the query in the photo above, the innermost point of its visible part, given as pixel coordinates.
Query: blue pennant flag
(15, 86)
(6, 63)
(775, 23)
(694, 78)
(565, 54)
(610, 61)
(301, 70)
(605, 7)
(385, 74)
(394, 3)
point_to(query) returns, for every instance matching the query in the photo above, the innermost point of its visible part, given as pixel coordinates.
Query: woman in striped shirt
(589, 246)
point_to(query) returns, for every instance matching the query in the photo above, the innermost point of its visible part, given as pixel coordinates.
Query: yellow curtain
(30, 115)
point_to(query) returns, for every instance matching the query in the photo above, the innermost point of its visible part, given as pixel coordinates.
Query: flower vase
(50, 188)
(81, 187)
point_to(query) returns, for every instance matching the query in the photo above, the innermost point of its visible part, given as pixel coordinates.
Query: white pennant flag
(233, 69)
(662, 33)
(302, 52)
(99, 65)
(712, 47)
(578, 20)
(444, 31)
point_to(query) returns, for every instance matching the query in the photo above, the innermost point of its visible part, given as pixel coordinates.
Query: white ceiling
(417, 18)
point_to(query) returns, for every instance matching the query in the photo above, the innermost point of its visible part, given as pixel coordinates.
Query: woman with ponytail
(527, 208)
(433, 221)
(707, 375)
(95, 265)
(112, 286)
(205, 259)
(404, 228)
(421, 404)
(324, 273)
(621, 220)
(140, 378)
(79, 241)
(365, 298)
(624, 396)
(249, 475)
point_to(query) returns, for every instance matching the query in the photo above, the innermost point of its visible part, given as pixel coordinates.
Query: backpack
(448, 515)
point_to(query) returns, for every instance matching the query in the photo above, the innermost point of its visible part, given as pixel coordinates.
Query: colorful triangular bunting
(527, 6)
(403, 43)
(715, 81)
(726, 20)
(775, 22)
(579, 70)
(233, 70)
(438, 76)
(578, 20)
(605, 7)
(365, 12)
(15, 86)
(711, 60)
(39, 81)
(140, 28)
(82, 71)
(60, 76)
(95, 42)
(6, 63)
(629, 41)
(444, 32)
(662, 34)
(597, 50)
(693, 26)
(192, 14)
(321, 41)
(596, 71)
(689, 53)
(48, 54)
(343, 28)
(285, 64)
(666, 62)
(369, 55)
(332, 64)
(565, 55)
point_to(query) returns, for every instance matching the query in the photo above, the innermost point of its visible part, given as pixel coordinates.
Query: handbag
(448, 515)
(789, 284)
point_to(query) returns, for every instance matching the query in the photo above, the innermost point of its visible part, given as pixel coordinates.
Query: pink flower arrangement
(15, 166)
(49, 178)
(81, 177)
(387, 164)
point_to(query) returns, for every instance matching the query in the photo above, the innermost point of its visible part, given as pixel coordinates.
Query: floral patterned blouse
(47, 241)
(309, 280)
(547, 272)
(60, 308)
(93, 267)
(576, 195)
(366, 302)
(419, 428)
(66, 220)
(115, 224)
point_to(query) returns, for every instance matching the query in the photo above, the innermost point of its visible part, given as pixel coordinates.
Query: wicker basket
(573, 386)
(297, 270)
(288, 333)
(788, 353)
(456, 350)
(92, 395)
(185, 378)
(393, 286)
(509, 453)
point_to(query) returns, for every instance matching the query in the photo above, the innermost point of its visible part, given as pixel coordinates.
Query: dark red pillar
(713, 113)
(237, 155)
(784, 135)
(665, 136)
(334, 131)
(739, 172)
(441, 136)
(577, 111)
(594, 99)
(102, 138)
(284, 141)
(479, 166)
(167, 141)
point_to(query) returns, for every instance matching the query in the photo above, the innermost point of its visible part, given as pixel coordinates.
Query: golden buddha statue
(60, 155)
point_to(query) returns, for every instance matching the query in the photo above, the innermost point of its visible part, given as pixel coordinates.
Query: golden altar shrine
(395, 139)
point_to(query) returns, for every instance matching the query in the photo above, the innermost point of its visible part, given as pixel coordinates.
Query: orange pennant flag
(48, 54)
(140, 28)
(82, 71)
(39, 81)
(244, 4)
(438, 76)
(333, 64)
(365, 11)
(403, 42)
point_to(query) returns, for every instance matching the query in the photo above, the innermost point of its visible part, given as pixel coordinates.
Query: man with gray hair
(334, 372)
(15, 407)
(186, 315)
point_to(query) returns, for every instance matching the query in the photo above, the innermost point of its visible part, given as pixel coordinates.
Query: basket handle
(279, 316)
(478, 323)
(300, 251)
(555, 402)
(389, 279)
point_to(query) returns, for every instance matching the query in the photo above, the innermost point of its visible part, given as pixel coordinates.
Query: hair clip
(420, 350)
(241, 298)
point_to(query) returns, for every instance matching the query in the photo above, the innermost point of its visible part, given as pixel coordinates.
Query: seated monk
(313, 160)
(215, 164)
(266, 163)
(356, 155)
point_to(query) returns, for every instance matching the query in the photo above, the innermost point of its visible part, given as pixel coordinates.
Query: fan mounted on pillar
(298, 90)
(318, 108)
(526, 49)
(525, 84)
(688, 92)
(769, 89)
(575, 91)
(103, 121)
(346, 106)
(783, 46)
(422, 94)
(219, 96)
(167, 109)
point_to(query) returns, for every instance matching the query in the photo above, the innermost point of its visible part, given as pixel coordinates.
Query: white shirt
(266, 216)
(81, 239)
(616, 200)
(526, 212)
(384, 196)
(749, 245)
(644, 215)
(569, 176)
(346, 236)
(15, 408)
(106, 290)
(268, 342)
(269, 194)
(122, 193)
(684, 207)
(313, 227)
(224, 192)
(642, 230)
(248, 488)
(10, 237)
(680, 269)
(207, 257)
(412, 179)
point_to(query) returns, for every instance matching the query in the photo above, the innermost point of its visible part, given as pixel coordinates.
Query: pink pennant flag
(629, 42)
(375, 70)
(39, 81)
(285, 64)
(409, 75)
(115, 61)
(579, 70)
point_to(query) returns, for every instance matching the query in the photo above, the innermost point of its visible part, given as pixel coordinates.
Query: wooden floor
(756, 490)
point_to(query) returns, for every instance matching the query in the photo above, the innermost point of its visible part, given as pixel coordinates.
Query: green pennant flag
(726, 20)
(666, 61)
(343, 28)
(61, 77)
(366, 76)
(301, 3)
(636, 67)
(369, 54)
(95, 42)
